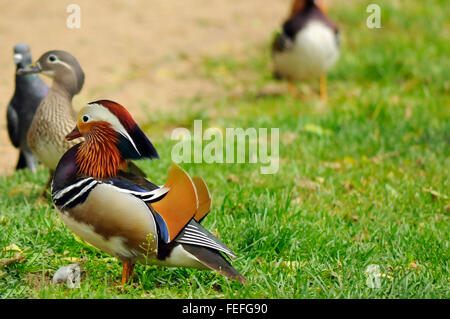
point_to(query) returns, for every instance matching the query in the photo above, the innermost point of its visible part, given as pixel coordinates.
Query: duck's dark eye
(52, 58)
(85, 118)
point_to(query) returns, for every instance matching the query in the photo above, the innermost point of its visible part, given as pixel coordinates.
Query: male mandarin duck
(124, 214)
(55, 116)
(308, 45)
(29, 91)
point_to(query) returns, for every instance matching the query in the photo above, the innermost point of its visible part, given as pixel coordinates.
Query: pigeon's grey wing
(13, 125)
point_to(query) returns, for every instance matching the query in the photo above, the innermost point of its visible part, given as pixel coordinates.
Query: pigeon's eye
(85, 118)
(52, 58)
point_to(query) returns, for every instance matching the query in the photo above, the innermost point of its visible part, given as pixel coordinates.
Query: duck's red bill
(74, 134)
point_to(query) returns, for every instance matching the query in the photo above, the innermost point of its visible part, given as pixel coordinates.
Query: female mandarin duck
(124, 214)
(308, 45)
(55, 116)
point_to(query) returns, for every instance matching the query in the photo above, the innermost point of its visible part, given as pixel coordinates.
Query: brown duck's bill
(29, 70)
(74, 134)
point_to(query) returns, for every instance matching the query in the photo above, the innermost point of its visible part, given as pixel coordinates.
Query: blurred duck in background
(29, 91)
(307, 46)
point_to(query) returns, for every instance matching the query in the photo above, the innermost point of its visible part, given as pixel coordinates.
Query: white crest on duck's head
(97, 112)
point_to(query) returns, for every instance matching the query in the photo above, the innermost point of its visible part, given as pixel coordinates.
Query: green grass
(353, 188)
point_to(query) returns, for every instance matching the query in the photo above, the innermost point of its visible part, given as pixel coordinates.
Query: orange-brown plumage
(179, 206)
(204, 198)
(98, 156)
(299, 5)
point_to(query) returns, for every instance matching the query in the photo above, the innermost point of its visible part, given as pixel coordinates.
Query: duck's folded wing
(76, 192)
(126, 186)
(140, 181)
(13, 125)
(176, 206)
(134, 169)
(203, 194)
(195, 234)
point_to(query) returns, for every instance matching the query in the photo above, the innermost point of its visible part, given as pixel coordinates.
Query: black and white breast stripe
(195, 234)
(74, 194)
(78, 192)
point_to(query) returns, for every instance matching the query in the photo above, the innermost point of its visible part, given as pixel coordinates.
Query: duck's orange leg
(293, 90)
(127, 272)
(323, 87)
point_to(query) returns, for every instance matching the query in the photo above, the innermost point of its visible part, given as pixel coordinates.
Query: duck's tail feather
(215, 261)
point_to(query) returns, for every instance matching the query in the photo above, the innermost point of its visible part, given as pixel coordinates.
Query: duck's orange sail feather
(180, 204)
(204, 198)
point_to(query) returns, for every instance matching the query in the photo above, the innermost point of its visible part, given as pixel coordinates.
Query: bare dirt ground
(135, 52)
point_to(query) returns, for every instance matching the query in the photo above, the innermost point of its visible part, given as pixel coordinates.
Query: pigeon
(29, 91)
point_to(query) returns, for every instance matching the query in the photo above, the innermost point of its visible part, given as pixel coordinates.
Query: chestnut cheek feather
(98, 156)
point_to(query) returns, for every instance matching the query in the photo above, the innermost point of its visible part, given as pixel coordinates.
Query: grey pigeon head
(62, 67)
(22, 55)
